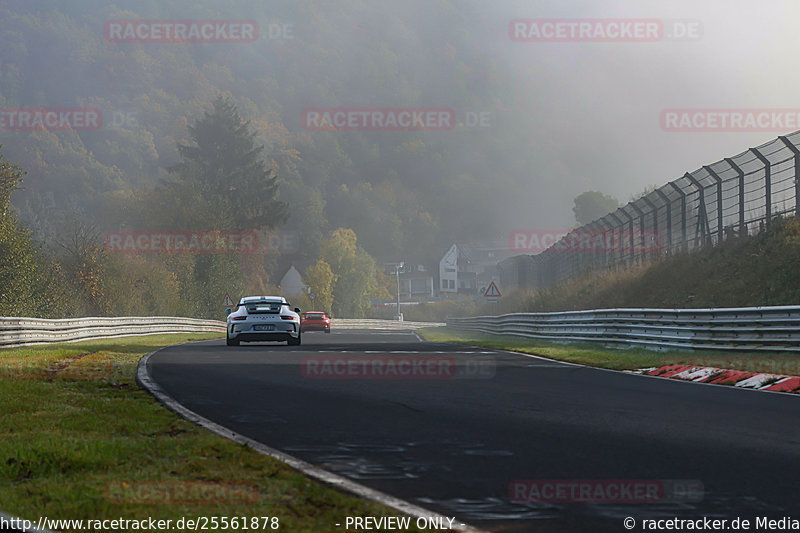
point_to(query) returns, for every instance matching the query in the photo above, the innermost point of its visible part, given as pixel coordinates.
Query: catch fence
(737, 195)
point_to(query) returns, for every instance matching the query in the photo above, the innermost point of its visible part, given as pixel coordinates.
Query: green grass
(754, 270)
(619, 359)
(80, 439)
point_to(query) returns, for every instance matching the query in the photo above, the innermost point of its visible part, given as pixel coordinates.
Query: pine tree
(225, 164)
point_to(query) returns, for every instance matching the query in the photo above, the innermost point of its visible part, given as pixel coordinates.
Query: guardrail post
(684, 239)
(716, 178)
(740, 174)
(796, 153)
(767, 182)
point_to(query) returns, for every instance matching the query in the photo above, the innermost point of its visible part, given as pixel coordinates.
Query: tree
(647, 190)
(591, 205)
(29, 284)
(355, 271)
(225, 165)
(82, 258)
(221, 183)
(320, 280)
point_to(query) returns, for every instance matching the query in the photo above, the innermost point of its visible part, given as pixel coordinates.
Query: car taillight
(287, 317)
(239, 317)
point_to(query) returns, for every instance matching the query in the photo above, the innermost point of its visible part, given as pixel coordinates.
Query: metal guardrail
(20, 331)
(743, 329)
(375, 323)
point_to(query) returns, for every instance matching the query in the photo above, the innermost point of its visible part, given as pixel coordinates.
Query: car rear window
(315, 316)
(263, 307)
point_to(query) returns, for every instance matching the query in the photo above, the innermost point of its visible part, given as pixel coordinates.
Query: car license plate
(264, 327)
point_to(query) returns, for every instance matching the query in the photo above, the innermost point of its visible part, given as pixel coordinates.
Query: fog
(558, 118)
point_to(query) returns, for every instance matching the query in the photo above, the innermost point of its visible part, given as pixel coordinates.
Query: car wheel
(231, 342)
(294, 342)
(327, 330)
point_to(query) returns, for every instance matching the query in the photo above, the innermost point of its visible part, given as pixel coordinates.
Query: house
(416, 280)
(292, 282)
(448, 271)
(470, 268)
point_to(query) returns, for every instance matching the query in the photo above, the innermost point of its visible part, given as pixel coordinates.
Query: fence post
(669, 217)
(589, 228)
(796, 153)
(740, 173)
(702, 214)
(654, 207)
(630, 238)
(719, 202)
(767, 182)
(605, 252)
(620, 224)
(641, 229)
(684, 240)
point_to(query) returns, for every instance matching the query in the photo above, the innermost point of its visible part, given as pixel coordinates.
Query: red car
(315, 320)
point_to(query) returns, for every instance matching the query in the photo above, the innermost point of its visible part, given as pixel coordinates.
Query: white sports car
(263, 318)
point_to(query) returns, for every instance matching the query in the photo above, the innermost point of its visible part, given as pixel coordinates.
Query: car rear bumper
(250, 335)
(315, 327)
(264, 336)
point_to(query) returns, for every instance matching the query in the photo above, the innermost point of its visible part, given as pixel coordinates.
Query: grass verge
(79, 439)
(592, 354)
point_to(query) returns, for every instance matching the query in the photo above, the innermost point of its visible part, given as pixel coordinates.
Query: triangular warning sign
(227, 302)
(492, 291)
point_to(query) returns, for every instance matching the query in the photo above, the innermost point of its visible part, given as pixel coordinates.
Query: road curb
(144, 380)
(708, 375)
(637, 373)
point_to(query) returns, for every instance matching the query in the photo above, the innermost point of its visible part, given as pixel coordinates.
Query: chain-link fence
(738, 195)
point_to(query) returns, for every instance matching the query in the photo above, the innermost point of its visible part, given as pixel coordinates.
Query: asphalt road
(457, 435)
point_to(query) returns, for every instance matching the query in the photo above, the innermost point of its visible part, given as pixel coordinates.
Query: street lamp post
(397, 268)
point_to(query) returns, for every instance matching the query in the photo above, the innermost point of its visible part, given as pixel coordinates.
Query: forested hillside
(400, 191)
(403, 193)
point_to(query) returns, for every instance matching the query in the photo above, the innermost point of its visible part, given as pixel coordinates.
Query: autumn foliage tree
(29, 284)
(320, 281)
(355, 272)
